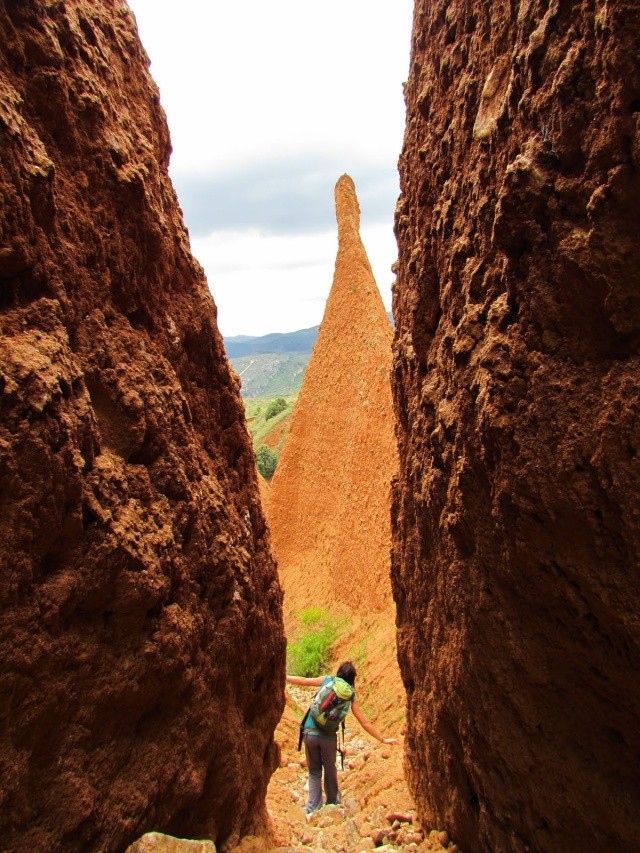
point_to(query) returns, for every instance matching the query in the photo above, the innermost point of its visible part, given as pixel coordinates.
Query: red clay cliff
(517, 387)
(329, 497)
(140, 612)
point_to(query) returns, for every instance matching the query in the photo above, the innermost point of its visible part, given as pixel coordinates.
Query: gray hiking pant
(321, 753)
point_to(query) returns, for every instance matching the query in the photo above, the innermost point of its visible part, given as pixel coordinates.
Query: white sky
(268, 104)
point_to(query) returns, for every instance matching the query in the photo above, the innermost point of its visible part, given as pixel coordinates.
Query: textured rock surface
(140, 613)
(329, 498)
(155, 842)
(516, 515)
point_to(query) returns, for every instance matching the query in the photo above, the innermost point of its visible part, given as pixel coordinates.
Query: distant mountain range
(271, 374)
(272, 365)
(277, 342)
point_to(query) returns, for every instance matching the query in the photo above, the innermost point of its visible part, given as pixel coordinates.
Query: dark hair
(347, 671)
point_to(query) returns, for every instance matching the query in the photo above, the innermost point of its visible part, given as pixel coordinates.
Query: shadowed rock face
(516, 383)
(140, 613)
(329, 498)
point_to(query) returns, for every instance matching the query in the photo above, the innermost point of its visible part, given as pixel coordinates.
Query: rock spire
(329, 498)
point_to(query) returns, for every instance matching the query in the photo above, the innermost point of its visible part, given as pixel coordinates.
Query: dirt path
(376, 810)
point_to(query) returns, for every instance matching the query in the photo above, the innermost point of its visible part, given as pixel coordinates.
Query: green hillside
(268, 420)
(271, 374)
(260, 424)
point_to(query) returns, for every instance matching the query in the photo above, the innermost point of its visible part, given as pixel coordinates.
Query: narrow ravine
(376, 812)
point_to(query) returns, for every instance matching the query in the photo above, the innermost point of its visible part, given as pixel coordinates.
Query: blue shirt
(310, 726)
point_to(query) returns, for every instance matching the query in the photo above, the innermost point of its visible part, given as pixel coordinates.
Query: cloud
(268, 104)
(266, 283)
(255, 80)
(280, 196)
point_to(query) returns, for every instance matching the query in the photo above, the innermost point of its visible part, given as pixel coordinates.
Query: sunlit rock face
(140, 613)
(329, 498)
(516, 384)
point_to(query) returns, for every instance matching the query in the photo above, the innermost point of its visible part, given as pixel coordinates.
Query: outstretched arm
(305, 682)
(358, 713)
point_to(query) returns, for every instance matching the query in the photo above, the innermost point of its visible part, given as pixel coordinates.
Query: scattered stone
(378, 816)
(351, 806)
(380, 836)
(157, 842)
(365, 829)
(441, 837)
(351, 831)
(412, 837)
(398, 816)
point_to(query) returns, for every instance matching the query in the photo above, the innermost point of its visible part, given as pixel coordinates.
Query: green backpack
(331, 705)
(328, 709)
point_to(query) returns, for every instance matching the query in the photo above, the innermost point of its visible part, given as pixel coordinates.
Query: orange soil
(278, 434)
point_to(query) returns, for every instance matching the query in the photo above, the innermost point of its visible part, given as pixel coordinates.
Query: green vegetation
(310, 651)
(256, 410)
(263, 416)
(266, 461)
(275, 407)
(270, 375)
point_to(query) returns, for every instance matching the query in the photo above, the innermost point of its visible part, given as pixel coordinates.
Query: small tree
(275, 407)
(266, 461)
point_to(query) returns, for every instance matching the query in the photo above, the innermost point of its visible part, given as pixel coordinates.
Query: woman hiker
(320, 746)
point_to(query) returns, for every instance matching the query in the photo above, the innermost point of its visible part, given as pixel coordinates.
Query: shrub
(313, 616)
(275, 407)
(310, 653)
(266, 461)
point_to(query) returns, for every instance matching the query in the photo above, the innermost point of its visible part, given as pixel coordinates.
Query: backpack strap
(301, 735)
(341, 751)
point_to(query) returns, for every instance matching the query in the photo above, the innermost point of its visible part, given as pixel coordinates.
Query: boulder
(156, 842)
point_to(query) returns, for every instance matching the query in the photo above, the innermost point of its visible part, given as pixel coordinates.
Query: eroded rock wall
(329, 497)
(140, 612)
(516, 383)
